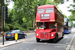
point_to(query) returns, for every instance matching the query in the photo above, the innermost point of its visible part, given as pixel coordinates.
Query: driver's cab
(46, 25)
(40, 25)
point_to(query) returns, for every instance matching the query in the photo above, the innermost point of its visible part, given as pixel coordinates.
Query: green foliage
(72, 16)
(23, 14)
(0, 27)
(59, 1)
(72, 23)
(0, 11)
(65, 16)
(73, 1)
(31, 28)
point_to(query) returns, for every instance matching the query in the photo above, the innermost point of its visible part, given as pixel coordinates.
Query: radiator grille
(44, 36)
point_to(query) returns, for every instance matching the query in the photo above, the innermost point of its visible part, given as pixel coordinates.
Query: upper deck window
(49, 10)
(41, 10)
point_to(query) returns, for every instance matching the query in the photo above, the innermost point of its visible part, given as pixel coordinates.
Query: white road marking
(67, 43)
(34, 49)
(20, 48)
(68, 46)
(27, 48)
(45, 43)
(3, 48)
(66, 37)
(60, 46)
(13, 47)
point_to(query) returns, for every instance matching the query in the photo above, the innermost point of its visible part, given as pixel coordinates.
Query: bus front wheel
(55, 39)
(38, 40)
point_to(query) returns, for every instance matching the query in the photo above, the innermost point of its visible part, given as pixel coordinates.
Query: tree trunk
(2, 3)
(34, 19)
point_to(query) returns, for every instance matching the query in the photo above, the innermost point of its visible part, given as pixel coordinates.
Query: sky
(62, 7)
(11, 5)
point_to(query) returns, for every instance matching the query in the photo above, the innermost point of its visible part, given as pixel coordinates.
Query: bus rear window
(49, 10)
(41, 10)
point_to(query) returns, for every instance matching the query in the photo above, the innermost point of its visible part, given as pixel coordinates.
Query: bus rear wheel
(37, 39)
(62, 35)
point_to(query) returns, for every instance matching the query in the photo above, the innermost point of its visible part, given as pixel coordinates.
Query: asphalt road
(33, 45)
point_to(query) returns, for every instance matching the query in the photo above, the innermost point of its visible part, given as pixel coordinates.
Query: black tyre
(25, 36)
(38, 40)
(7, 39)
(62, 35)
(55, 39)
(13, 38)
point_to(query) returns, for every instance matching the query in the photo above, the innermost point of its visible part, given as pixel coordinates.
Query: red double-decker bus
(49, 23)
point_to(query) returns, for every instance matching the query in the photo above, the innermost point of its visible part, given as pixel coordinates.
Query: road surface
(33, 45)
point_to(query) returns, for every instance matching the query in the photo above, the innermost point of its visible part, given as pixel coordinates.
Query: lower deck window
(51, 26)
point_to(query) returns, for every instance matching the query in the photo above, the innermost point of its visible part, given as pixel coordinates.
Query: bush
(6, 28)
(0, 27)
(30, 28)
(26, 30)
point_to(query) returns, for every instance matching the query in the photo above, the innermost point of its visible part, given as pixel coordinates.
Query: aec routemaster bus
(49, 23)
(67, 26)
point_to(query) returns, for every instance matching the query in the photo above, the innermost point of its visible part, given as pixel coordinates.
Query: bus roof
(43, 6)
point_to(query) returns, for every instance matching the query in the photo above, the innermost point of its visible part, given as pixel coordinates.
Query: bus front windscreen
(40, 25)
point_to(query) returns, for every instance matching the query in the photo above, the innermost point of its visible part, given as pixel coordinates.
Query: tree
(0, 10)
(23, 14)
(25, 11)
(65, 16)
(59, 1)
(72, 16)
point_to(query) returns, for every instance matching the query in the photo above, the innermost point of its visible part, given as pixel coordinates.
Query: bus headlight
(52, 35)
(41, 15)
(37, 34)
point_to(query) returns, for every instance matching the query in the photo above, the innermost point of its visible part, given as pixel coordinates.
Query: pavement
(8, 43)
